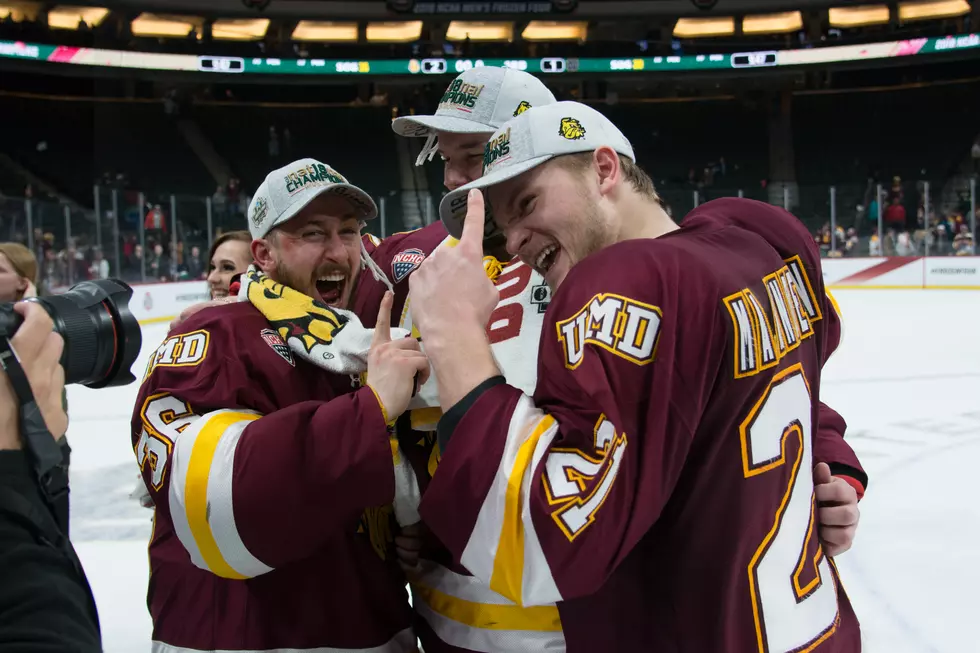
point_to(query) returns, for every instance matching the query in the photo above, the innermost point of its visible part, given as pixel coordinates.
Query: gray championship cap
(478, 101)
(286, 191)
(533, 137)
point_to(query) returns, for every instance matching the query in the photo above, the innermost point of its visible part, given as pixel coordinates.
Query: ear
(263, 254)
(606, 162)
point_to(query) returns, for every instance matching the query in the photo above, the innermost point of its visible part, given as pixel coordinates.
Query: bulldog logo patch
(404, 262)
(279, 346)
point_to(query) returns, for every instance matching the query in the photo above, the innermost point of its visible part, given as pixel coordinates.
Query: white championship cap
(478, 101)
(530, 139)
(286, 191)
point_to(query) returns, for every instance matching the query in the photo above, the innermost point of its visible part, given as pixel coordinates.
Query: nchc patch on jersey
(404, 262)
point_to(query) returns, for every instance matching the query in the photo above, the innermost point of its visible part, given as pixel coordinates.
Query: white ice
(906, 378)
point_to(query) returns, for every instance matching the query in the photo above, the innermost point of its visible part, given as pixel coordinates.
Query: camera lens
(102, 337)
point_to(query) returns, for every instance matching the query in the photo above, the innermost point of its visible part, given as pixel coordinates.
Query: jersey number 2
(794, 600)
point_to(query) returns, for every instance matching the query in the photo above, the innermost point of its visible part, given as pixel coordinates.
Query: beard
(590, 229)
(289, 277)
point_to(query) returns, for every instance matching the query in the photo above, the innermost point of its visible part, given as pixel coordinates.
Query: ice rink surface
(906, 378)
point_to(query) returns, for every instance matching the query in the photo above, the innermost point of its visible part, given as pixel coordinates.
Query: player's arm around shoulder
(557, 488)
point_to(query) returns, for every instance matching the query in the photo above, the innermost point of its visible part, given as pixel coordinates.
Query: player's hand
(38, 349)
(190, 310)
(393, 365)
(408, 543)
(837, 510)
(451, 290)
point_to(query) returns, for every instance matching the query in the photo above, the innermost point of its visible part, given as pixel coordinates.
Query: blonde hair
(23, 262)
(634, 174)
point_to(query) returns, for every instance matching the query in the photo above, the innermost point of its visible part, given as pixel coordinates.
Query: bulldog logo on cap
(571, 129)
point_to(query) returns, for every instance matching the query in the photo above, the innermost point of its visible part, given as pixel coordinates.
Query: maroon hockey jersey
(659, 483)
(457, 612)
(271, 480)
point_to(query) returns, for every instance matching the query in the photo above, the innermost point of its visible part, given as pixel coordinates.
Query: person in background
(18, 272)
(193, 264)
(100, 267)
(219, 201)
(158, 265)
(963, 242)
(874, 244)
(230, 254)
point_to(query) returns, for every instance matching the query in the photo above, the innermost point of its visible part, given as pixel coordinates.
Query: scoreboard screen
(65, 55)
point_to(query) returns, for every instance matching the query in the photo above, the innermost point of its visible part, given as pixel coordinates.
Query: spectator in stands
(904, 245)
(895, 214)
(100, 267)
(76, 267)
(156, 222)
(219, 202)
(18, 272)
(193, 265)
(134, 263)
(851, 242)
(230, 254)
(52, 272)
(975, 155)
(895, 192)
(234, 191)
(874, 244)
(963, 244)
(158, 265)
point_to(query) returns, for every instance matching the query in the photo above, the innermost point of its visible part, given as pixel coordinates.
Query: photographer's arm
(44, 596)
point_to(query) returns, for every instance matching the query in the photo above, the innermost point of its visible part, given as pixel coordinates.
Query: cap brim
(425, 125)
(357, 198)
(452, 208)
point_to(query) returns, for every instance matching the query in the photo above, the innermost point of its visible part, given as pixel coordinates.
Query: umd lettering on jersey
(183, 350)
(620, 325)
(760, 341)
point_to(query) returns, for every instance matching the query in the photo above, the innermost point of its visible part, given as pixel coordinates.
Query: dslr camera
(102, 337)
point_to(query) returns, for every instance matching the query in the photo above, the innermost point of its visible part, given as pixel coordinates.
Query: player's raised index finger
(382, 328)
(473, 225)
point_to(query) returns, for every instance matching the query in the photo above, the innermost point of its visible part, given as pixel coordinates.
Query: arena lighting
(388, 32)
(239, 29)
(858, 16)
(550, 30)
(700, 27)
(159, 25)
(324, 31)
(908, 11)
(69, 17)
(479, 31)
(790, 21)
(19, 11)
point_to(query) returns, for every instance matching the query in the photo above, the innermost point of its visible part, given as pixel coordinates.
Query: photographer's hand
(39, 349)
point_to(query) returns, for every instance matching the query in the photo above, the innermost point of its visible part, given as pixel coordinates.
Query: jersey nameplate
(760, 341)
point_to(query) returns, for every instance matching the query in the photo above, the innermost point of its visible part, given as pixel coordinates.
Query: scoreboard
(61, 55)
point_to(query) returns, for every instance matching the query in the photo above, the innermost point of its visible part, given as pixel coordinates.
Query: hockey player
(462, 611)
(658, 485)
(271, 472)
(457, 612)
